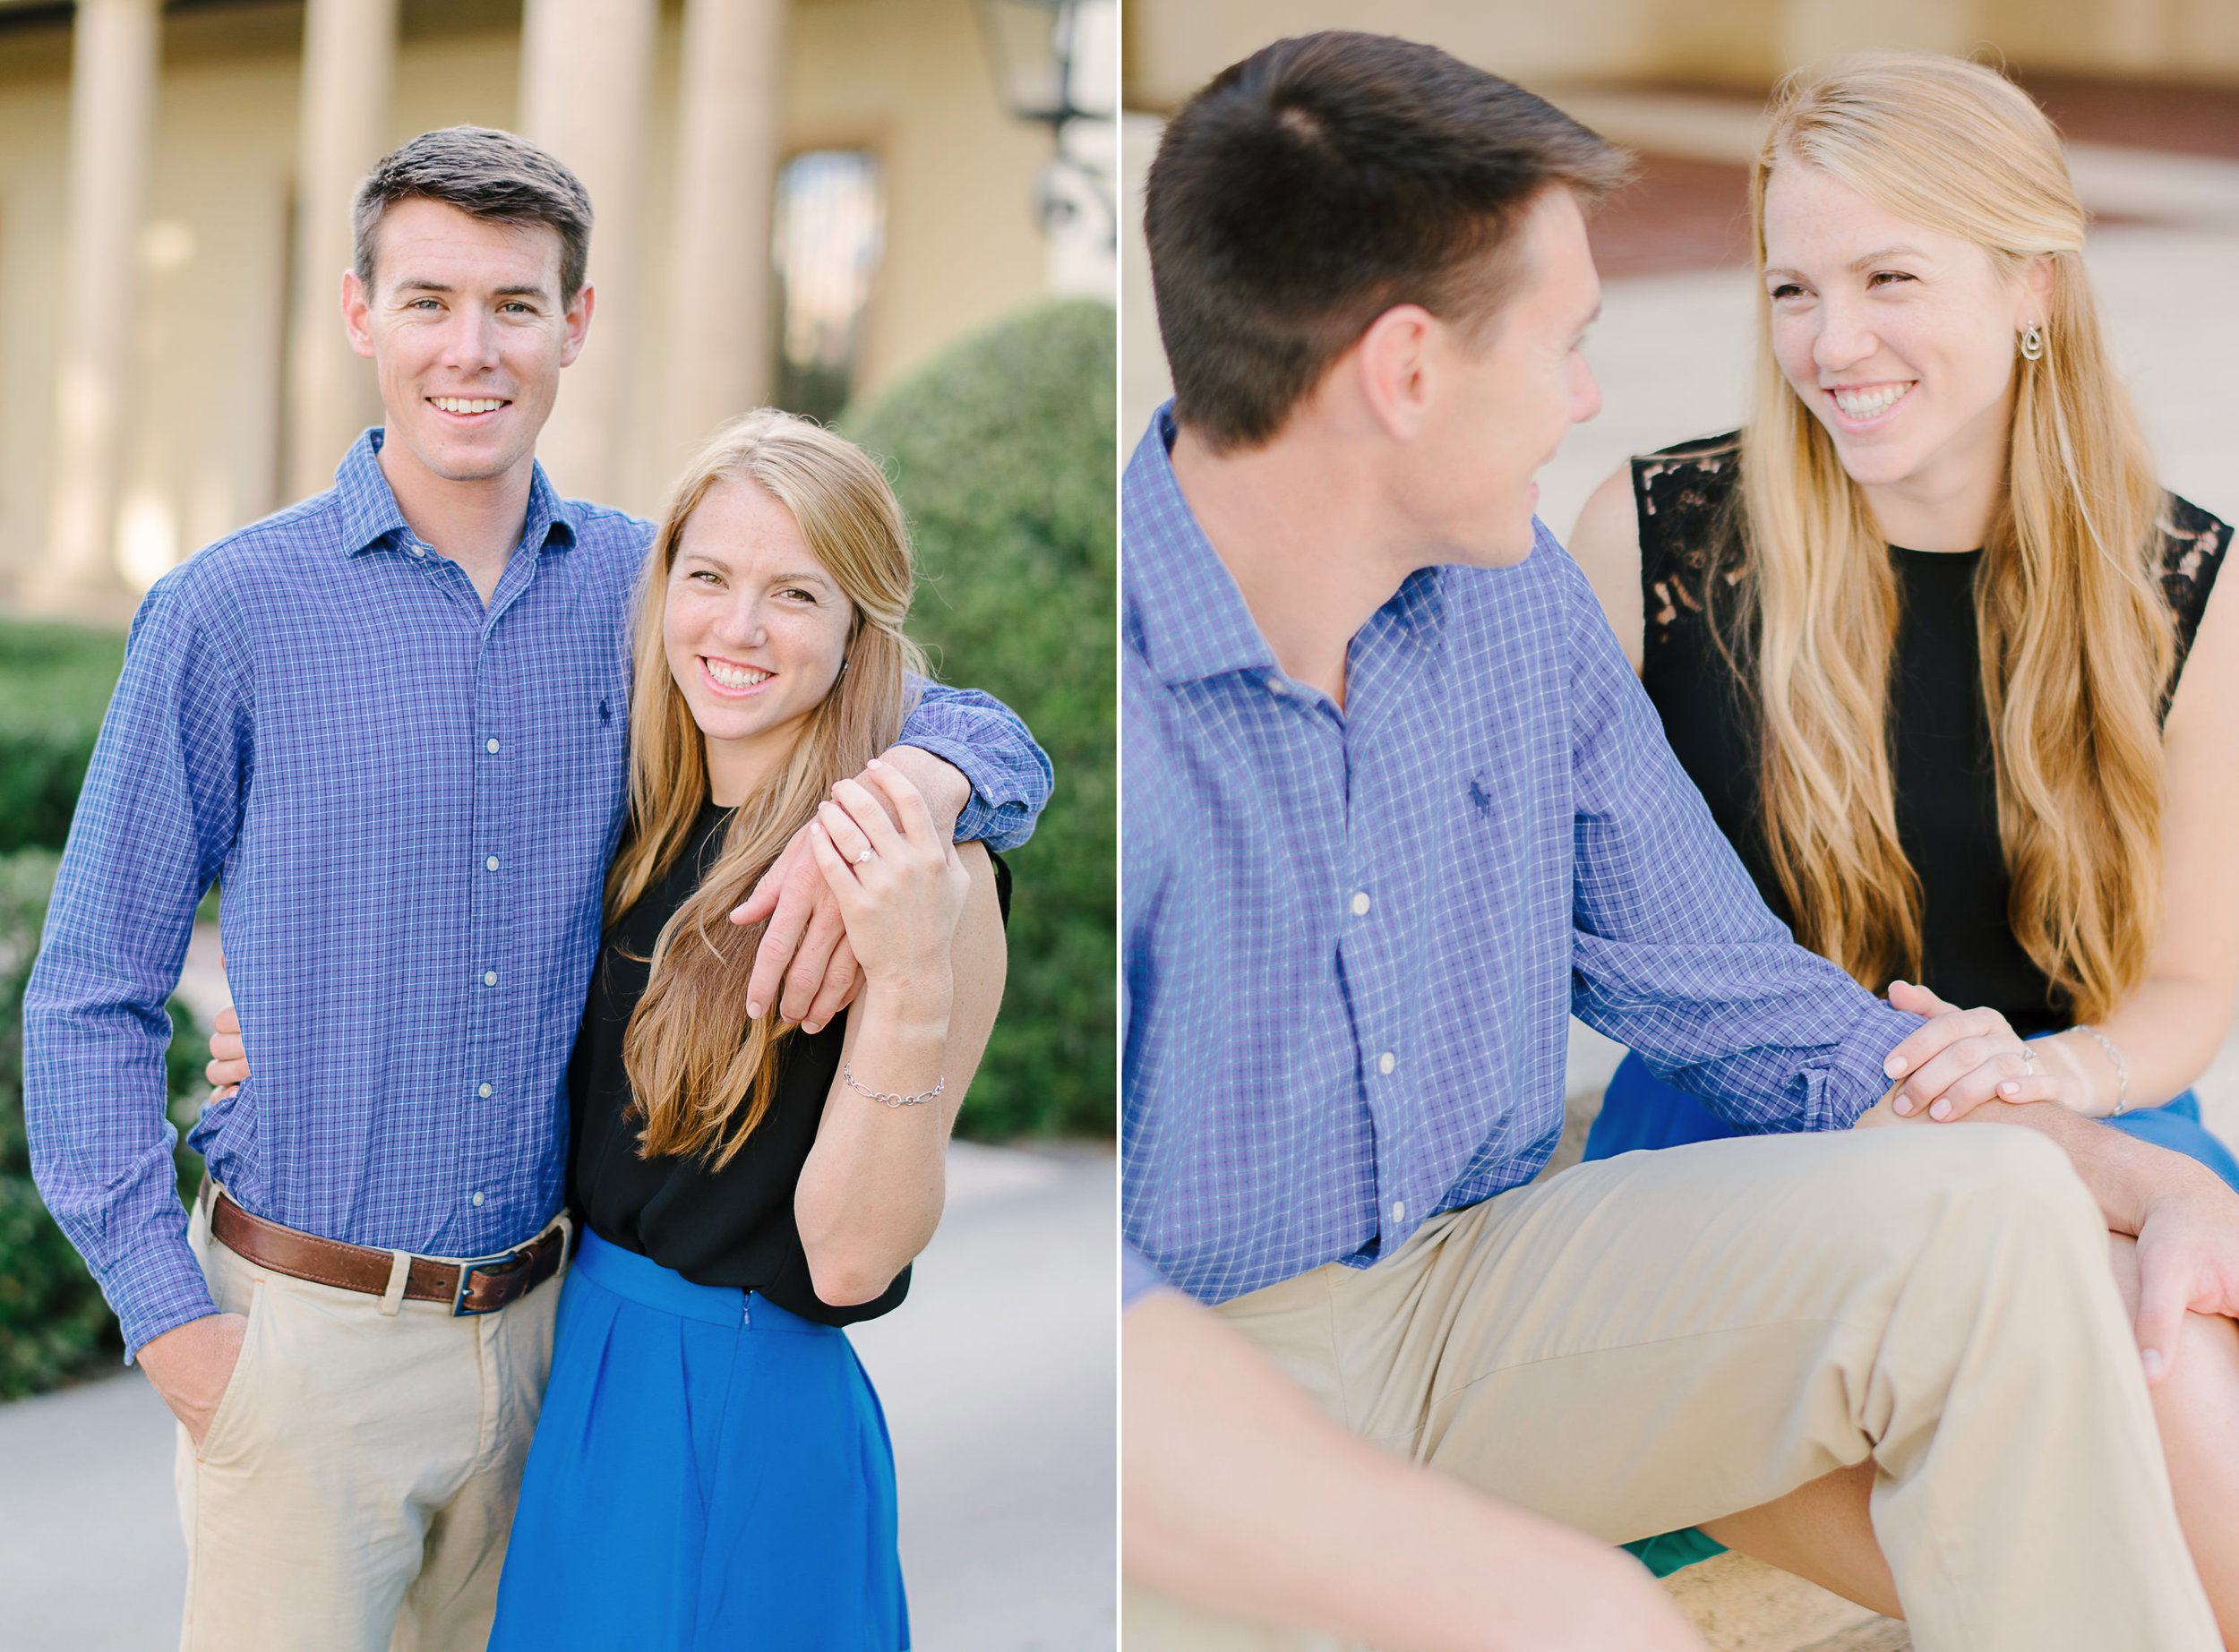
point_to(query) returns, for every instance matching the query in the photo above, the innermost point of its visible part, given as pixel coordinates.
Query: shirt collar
(371, 516)
(1184, 613)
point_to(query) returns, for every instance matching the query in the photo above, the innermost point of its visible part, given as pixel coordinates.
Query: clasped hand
(900, 888)
(1959, 1059)
(807, 959)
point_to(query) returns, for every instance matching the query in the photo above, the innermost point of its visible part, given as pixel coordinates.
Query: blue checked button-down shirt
(1353, 939)
(411, 800)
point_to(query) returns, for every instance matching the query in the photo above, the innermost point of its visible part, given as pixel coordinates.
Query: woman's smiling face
(755, 630)
(1899, 338)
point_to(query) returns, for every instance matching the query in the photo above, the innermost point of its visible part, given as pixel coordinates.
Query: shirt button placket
(484, 908)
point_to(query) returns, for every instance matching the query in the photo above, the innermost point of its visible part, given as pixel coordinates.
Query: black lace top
(1947, 801)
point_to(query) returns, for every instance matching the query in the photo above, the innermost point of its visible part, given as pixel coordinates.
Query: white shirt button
(490, 746)
(1277, 687)
(419, 551)
(491, 865)
(490, 979)
(485, 1090)
(477, 1199)
(1399, 1210)
(1384, 1063)
(1360, 904)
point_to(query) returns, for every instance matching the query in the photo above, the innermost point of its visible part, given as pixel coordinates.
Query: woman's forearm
(2168, 1030)
(870, 1192)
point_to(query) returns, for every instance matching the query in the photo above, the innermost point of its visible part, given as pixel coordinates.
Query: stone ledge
(1740, 1604)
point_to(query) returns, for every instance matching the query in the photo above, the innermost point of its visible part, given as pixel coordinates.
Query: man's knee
(1908, 1182)
(1972, 1176)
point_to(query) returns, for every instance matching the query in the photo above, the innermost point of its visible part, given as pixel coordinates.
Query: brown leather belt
(476, 1285)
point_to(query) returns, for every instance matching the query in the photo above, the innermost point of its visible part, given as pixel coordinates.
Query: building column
(587, 72)
(728, 135)
(349, 62)
(112, 118)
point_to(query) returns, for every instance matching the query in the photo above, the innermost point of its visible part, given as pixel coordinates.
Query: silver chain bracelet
(848, 1073)
(2122, 1067)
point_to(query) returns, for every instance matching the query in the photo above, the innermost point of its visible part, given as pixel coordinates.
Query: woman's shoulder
(1685, 498)
(2192, 546)
(2192, 540)
(1709, 456)
(1684, 493)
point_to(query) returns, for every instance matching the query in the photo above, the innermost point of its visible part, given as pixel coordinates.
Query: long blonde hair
(701, 1071)
(2075, 637)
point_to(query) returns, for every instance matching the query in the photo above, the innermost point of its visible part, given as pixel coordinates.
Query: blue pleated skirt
(1639, 1110)
(709, 1471)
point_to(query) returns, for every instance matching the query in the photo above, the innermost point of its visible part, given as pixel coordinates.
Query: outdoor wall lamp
(1036, 49)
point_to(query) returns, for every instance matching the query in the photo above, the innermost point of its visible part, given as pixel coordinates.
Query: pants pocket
(235, 1401)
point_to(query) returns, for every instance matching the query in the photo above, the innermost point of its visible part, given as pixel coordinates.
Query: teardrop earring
(2032, 343)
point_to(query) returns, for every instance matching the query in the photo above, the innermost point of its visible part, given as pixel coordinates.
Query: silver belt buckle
(516, 1257)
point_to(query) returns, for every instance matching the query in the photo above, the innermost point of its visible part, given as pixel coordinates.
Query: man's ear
(1394, 359)
(357, 314)
(577, 323)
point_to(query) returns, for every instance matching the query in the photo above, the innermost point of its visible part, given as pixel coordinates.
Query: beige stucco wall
(1174, 46)
(908, 78)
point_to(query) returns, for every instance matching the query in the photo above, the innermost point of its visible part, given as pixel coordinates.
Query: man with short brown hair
(393, 720)
(1395, 806)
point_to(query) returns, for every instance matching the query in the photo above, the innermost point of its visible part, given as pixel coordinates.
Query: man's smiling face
(468, 335)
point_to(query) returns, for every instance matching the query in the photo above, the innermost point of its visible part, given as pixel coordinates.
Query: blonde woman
(710, 1468)
(1948, 665)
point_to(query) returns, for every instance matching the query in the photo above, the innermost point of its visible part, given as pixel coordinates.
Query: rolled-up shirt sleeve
(1673, 952)
(156, 819)
(986, 742)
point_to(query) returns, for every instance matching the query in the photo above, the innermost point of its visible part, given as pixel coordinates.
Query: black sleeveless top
(733, 1227)
(1947, 801)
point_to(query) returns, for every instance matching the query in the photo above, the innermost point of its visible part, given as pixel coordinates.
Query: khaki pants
(1660, 1339)
(355, 1487)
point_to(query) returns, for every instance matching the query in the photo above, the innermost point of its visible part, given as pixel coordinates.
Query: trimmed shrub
(1003, 452)
(55, 684)
(53, 1324)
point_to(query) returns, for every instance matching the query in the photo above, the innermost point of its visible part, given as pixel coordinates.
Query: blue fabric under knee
(1640, 1111)
(709, 1471)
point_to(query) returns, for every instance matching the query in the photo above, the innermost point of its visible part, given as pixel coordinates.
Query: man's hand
(2185, 1220)
(228, 1057)
(2188, 1258)
(190, 1366)
(804, 949)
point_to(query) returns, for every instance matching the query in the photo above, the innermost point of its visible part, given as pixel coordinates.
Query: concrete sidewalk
(997, 1375)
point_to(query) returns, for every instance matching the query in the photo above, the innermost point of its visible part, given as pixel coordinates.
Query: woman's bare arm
(1607, 546)
(2170, 1028)
(870, 1193)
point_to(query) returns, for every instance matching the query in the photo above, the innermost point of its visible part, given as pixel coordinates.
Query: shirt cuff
(1855, 1080)
(999, 826)
(1137, 1276)
(156, 1288)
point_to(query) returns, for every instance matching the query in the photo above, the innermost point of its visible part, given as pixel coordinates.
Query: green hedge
(55, 684)
(1003, 451)
(53, 1321)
